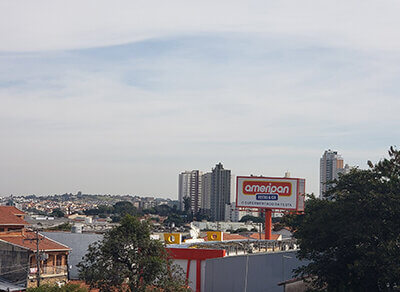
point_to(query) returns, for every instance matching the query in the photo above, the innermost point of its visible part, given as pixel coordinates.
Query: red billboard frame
(298, 194)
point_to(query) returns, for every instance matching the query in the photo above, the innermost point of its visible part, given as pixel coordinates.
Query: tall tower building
(190, 186)
(206, 191)
(220, 192)
(331, 164)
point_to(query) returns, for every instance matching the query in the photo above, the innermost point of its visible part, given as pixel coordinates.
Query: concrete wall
(264, 272)
(14, 264)
(78, 242)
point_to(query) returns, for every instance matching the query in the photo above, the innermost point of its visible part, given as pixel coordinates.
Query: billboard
(173, 238)
(270, 192)
(215, 236)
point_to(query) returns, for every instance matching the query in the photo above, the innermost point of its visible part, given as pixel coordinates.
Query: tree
(352, 238)
(120, 209)
(62, 227)
(124, 208)
(239, 230)
(188, 209)
(127, 259)
(100, 210)
(254, 219)
(186, 204)
(178, 220)
(57, 213)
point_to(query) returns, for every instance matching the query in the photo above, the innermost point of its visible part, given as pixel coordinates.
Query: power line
(37, 239)
(12, 271)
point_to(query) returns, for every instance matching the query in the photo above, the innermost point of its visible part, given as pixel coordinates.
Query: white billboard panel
(270, 192)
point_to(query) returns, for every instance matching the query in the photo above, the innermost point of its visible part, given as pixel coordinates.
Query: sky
(119, 97)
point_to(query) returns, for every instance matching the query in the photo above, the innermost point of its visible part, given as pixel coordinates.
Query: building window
(58, 260)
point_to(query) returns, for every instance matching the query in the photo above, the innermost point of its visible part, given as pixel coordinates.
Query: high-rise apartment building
(220, 192)
(206, 191)
(190, 186)
(331, 164)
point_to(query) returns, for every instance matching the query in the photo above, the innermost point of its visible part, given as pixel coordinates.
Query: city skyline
(174, 196)
(122, 102)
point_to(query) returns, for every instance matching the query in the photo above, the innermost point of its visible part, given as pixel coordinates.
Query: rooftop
(248, 246)
(256, 235)
(247, 236)
(24, 240)
(9, 215)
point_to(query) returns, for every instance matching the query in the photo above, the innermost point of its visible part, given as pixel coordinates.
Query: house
(19, 248)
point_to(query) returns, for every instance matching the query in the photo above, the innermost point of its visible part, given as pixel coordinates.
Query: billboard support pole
(268, 224)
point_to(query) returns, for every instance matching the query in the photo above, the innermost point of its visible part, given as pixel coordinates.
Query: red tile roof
(8, 216)
(14, 210)
(45, 243)
(256, 235)
(229, 236)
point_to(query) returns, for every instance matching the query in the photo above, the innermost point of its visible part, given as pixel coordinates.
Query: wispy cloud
(264, 87)
(48, 25)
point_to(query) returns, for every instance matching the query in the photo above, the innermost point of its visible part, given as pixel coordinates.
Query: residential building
(234, 214)
(190, 187)
(18, 253)
(331, 165)
(206, 191)
(220, 192)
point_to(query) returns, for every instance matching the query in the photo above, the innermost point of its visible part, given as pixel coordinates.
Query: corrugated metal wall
(264, 272)
(78, 242)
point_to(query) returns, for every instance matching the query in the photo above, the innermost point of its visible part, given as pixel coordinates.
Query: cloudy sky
(120, 96)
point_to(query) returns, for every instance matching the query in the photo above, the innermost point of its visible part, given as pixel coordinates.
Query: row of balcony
(49, 271)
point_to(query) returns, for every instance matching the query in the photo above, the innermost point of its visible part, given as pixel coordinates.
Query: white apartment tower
(190, 183)
(331, 164)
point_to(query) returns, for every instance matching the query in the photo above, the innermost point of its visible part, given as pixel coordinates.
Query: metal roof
(7, 286)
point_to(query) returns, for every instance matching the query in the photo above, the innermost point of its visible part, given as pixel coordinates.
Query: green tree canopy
(254, 219)
(128, 259)
(124, 208)
(352, 238)
(178, 220)
(57, 213)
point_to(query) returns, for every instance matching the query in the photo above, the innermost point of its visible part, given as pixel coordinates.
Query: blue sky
(122, 102)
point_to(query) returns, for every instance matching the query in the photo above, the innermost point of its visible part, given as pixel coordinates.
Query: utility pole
(37, 258)
(37, 239)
